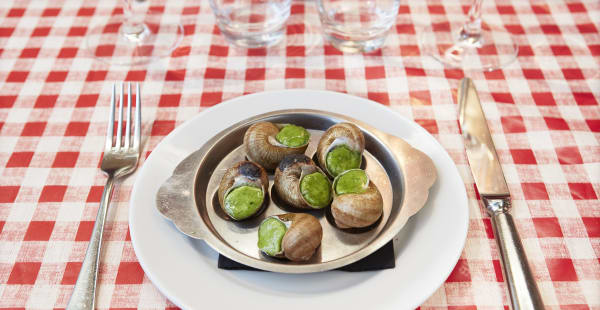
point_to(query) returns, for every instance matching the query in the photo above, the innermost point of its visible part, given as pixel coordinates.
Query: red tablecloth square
(17, 76)
(77, 129)
(524, 157)
(162, 128)
(71, 273)
(65, 160)
(561, 269)
(535, 191)
(582, 191)
(175, 75)
(569, 155)
(67, 52)
(169, 100)
(460, 273)
(130, 273)
(210, 98)
(53, 193)
(84, 231)
(547, 227)
(24, 273)
(93, 76)
(19, 159)
(512, 124)
(39, 231)
(8, 193)
(33, 129)
(87, 100)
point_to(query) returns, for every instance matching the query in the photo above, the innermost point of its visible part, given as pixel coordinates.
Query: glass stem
(472, 29)
(133, 26)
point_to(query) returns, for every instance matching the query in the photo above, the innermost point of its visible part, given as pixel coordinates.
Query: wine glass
(252, 23)
(135, 37)
(470, 46)
(357, 26)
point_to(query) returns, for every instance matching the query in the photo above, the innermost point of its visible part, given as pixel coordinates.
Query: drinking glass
(471, 45)
(134, 38)
(356, 26)
(252, 23)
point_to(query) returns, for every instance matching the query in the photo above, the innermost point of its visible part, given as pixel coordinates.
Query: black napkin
(381, 259)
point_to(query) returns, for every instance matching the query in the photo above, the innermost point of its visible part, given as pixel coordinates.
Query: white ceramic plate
(185, 269)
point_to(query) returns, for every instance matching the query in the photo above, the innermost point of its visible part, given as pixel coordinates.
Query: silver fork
(119, 159)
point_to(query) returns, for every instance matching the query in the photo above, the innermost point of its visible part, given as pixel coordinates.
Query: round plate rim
(172, 296)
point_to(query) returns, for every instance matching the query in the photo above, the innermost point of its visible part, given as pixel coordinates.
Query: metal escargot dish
(267, 143)
(301, 184)
(294, 236)
(243, 190)
(394, 183)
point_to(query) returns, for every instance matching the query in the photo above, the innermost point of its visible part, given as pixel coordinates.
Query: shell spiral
(259, 147)
(287, 179)
(357, 210)
(302, 238)
(242, 173)
(338, 134)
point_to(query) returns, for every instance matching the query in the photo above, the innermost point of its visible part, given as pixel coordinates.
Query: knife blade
(494, 193)
(481, 151)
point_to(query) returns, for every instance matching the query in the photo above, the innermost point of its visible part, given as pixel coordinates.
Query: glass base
(114, 44)
(492, 49)
(355, 46)
(253, 40)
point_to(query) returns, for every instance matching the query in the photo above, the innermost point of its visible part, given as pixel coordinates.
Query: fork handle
(84, 293)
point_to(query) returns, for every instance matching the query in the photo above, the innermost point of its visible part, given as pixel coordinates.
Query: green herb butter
(351, 182)
(270, 234)
(342, 158)
(292, 136)
(316, 190)
(243, 202)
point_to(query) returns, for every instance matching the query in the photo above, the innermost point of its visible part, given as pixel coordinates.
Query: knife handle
(522, 288)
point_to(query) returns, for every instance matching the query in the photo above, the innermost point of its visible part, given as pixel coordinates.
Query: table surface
(542, 111)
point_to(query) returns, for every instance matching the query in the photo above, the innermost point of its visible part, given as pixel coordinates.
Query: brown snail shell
(357, 210)
(262, 147)
(243, 173)
(339, 134)
(302, 237)
(288, 174)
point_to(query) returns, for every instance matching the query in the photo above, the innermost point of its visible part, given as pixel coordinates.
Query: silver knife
(495, 196)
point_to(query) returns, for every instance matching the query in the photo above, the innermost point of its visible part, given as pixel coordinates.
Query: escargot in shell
(340, 149)
(300, 183)
(295, 236)
(267, 143)
(357, 202)
(243, 190)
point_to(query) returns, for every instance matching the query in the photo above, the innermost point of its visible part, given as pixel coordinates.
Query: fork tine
(111, 120)
(138, 118)
(120, 123)
(128, 124)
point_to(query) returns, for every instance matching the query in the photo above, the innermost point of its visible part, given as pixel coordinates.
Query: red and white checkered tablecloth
(543, 112)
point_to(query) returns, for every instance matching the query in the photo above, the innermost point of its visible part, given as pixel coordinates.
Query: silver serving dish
(402, 174)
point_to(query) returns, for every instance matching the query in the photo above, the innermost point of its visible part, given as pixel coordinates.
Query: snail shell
(262, 147)
(302, 238)
(339, 134)
(243, 173)
(288, 175)
(357, 210)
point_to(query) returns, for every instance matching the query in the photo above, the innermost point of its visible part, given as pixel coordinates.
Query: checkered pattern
(542, 111)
